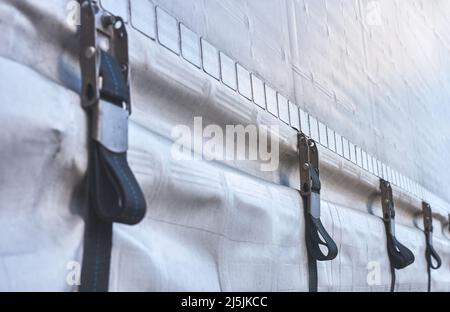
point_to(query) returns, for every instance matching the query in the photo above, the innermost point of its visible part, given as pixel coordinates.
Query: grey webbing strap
(399, 255)
(114, 194)
(315, 233)
(430, 252)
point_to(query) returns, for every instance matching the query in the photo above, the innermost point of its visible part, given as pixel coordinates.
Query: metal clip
(104, 36)
(387, 204)
(309, 174)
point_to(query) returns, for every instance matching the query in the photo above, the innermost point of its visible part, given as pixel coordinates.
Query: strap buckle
(105, 75)
(387, 204)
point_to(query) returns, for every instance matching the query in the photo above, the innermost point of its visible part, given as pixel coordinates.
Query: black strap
(114, 193)
(316, 236)
(392, 289)
(399, 255)
(313, 227)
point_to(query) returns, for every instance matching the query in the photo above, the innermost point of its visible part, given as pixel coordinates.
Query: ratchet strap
(399, 255)
(315, 233)
(114, 194)
(430, 252)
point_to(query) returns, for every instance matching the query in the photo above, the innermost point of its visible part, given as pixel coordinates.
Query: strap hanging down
(399, 255)
(315, 233)
(113, 192)
(430, 252)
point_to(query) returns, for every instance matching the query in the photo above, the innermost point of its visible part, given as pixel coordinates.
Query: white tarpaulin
(371, 74)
